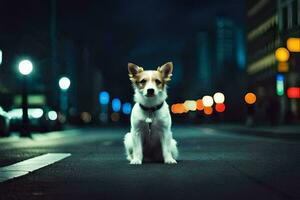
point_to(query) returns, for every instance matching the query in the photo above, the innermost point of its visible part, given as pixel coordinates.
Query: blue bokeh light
(126, 108)
(280, 77)
(103, 97)
(116, 105)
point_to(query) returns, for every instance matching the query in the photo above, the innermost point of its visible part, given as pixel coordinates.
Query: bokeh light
(219, 97)
(115, 117)
(178, 108)
(190, 105)
(220, 107)
(86, 117)
(208, 110)
(116, 105)
(25, 67)
(64, 83)
(250, 98)
(282, 54)
(293, 92)
(293, 44)
(280, 84)
(126, 108)
(52, 115)
(103, 97)
(207, 101)
(199, 104)
(283, 67)
(35, 112)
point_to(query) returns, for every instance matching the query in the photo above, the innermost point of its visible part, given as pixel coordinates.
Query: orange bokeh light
(115, 117)
(208, 110)
(178, 108)
(220, 107)
(199, 104)
(250, 98)
(293, 44)
(282, 54)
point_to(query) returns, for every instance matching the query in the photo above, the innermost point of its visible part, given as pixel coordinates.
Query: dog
(150, 136)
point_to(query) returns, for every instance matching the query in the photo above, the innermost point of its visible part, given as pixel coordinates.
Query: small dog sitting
(150, 136)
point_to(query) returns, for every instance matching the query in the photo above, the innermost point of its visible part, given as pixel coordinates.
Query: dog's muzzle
(150, 92)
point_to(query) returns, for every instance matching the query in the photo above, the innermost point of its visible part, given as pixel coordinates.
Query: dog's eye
(143, 81)
(157, 81)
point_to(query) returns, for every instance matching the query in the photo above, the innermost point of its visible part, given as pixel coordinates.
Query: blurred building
(225, 44)
(289, 27)
(269, 24)
(229, 64)
(204, 63)
(262, 41)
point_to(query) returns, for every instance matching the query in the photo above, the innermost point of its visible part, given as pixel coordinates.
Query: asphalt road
(213, 165)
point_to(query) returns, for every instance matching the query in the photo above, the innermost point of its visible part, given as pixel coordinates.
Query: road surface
(90, 164)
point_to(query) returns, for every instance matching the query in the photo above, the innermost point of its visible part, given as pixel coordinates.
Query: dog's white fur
(158, 141)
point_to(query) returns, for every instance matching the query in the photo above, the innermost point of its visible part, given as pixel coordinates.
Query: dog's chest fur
(151, 132)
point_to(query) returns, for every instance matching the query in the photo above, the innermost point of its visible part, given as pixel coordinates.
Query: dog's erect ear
(133, 70)
(166, 71)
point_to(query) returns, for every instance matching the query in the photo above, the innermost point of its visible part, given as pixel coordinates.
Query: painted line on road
(24, 167)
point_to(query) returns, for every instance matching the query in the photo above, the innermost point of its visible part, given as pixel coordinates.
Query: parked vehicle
(40, 119)
(4, 123)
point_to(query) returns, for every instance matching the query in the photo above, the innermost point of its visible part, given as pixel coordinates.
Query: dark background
(91, 42)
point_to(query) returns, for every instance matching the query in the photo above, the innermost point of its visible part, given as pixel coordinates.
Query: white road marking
(24, 167)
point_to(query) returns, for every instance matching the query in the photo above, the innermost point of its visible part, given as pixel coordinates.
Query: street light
(25, 68)
(64, 84)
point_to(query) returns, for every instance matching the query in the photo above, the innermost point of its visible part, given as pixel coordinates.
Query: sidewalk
(288, 132)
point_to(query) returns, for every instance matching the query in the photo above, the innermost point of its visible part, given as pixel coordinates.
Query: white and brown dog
(150, 136)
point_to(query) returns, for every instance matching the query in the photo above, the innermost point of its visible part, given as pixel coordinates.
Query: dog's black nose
(150, 92)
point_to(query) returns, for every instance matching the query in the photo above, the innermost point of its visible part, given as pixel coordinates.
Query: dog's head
(150, 83)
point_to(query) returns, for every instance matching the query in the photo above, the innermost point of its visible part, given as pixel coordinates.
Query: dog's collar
(153, 108)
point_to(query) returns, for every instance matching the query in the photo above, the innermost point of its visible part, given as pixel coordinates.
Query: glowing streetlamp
(25, 68)
(64, 84)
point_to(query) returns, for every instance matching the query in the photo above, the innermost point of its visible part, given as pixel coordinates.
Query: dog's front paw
(135, 162)
(170, 161)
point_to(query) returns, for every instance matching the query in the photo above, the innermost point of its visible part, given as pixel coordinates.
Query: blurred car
(40, 119)
(4, 123)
